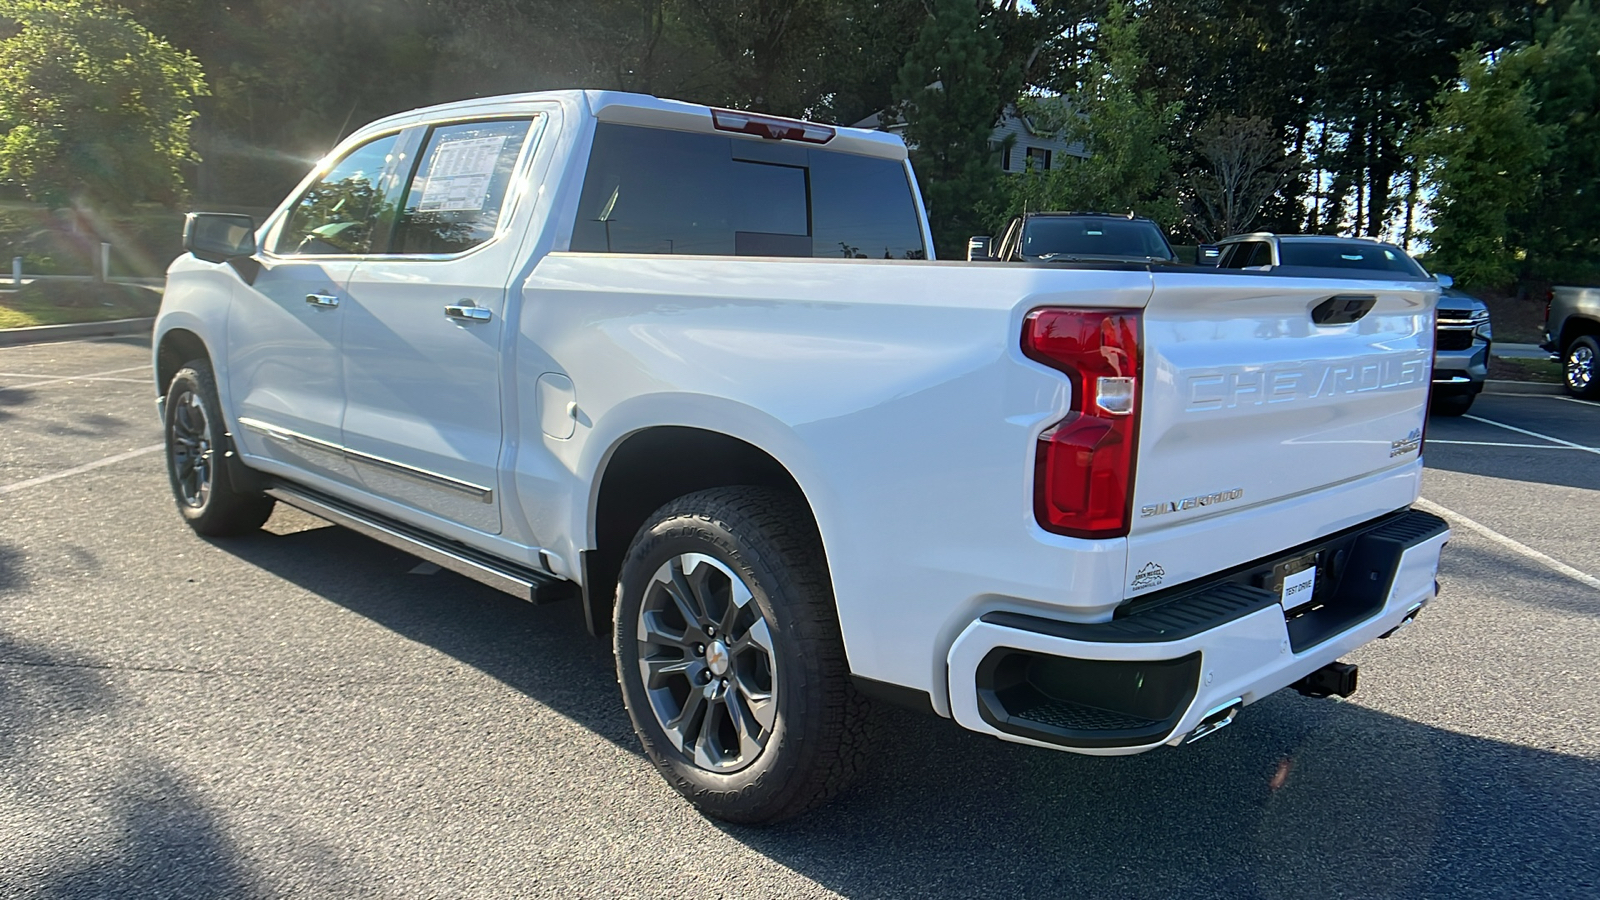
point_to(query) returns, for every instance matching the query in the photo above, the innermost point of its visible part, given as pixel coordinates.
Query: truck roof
(655, 112)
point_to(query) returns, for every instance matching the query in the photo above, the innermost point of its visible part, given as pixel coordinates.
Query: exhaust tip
(1216, 720)
(1407, 619)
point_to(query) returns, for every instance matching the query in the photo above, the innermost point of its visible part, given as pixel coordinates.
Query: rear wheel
(730, 659)
(1579, 364)
(196, 443)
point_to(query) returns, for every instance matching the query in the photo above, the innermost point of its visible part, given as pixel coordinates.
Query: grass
(70, 302)
(1544, 370)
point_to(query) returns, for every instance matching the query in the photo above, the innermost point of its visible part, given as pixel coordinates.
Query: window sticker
(459, 174)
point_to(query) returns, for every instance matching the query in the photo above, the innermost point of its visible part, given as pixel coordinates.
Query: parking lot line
(1499, 444)
(1548, 561)
(1576, 400)
(1542, 437)
(76, 470)
(60, 378)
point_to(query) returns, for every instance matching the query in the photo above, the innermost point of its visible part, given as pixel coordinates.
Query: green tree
(92, 105)
(1514, 158)
(1485, 151)
(950, 100)
(1125, 128)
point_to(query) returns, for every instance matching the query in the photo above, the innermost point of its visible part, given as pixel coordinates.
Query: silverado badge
(1411, 443)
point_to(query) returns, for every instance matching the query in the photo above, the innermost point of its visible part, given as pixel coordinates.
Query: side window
(651, 190)
(455, 196)
(345, 208)
(1233, 256)
(1261, 255)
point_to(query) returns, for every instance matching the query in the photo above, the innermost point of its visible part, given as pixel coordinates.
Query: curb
(1501, 386)
(39, 334)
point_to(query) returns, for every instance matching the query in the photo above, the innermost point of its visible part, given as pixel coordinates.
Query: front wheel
(196, 443)
(730, 658)
(1452, 404)
(1579, 365)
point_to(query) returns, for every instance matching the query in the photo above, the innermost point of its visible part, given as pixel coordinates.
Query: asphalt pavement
(306, 713)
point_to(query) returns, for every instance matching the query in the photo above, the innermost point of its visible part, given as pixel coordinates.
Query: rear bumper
(1141, 680)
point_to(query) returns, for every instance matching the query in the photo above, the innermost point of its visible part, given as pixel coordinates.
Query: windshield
(1049, 237)
(1348, 255)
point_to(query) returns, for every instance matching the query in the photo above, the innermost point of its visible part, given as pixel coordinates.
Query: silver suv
(1461, 347)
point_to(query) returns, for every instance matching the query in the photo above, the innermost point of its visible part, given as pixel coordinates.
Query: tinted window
(651, 190)
(1245, 253)
(342, 211)
(1050, 237)
(1348, 255)
(454, 200)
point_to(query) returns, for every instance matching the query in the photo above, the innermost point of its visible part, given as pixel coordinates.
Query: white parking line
(78, 470)
(1574, 400)
(1542, 437)
(1548, 561)
(58, 379)
(1432, 441)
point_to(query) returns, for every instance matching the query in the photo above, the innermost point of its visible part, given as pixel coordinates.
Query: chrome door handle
(327, 300)
(468, 310)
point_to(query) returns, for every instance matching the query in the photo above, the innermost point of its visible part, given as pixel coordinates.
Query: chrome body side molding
(431, 479)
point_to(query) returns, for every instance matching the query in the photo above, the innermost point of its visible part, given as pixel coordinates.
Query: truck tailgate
(1261, 394)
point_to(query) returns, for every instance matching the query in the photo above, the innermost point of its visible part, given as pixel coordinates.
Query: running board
(518, 581)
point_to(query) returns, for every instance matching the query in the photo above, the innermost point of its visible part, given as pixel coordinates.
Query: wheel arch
(1575, 327)
(176, 347)
(649, 468)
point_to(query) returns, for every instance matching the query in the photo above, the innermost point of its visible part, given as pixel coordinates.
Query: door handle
(469, 311)
(327, 300)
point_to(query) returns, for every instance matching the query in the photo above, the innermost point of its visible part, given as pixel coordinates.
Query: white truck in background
(697, 370)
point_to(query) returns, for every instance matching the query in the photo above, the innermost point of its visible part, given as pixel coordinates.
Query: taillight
(1083, 473)
(770, 127)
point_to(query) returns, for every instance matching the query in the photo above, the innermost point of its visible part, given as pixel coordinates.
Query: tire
(196, 440)
(1452, 404)
(1580, 364)
(751, 564)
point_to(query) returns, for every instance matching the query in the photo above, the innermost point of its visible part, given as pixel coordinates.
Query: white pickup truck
(697, 370)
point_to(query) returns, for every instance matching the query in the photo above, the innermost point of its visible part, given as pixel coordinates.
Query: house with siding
(1017, 142)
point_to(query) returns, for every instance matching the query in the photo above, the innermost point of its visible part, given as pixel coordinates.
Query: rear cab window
(1348, 255)
(653, 190)
(1047, 237)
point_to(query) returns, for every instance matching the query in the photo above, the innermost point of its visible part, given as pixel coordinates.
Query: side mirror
(219, 237)
(1445, 281)
(1207, 255)
(978, 248)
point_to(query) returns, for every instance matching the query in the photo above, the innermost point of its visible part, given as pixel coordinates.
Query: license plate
(1298, 588)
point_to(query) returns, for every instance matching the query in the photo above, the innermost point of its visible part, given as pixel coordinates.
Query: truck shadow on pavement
(82, 813)
(1299, 799)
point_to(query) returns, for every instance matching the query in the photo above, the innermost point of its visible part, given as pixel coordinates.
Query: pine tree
(951, 101)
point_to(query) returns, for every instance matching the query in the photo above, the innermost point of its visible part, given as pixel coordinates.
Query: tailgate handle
(1342, 309)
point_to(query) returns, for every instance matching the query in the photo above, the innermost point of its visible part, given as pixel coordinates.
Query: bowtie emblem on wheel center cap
(717, 658)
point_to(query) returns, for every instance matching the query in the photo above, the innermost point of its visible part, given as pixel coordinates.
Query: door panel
(285, 378)
(285, 329)
(422, 355)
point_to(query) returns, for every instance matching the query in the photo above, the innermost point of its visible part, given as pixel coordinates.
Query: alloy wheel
(190, 441)
(706, 657)
(1580, 368)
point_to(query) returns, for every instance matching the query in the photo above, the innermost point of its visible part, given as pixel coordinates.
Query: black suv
(1074, 237)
